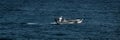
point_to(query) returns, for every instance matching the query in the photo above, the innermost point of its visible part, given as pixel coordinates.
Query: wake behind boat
(62, 20)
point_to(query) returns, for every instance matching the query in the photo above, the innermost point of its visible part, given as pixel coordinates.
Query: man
(60, 19)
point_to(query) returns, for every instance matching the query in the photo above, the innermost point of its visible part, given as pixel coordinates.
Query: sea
(32, 19)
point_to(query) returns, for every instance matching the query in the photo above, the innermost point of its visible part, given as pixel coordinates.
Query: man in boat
(59, 20)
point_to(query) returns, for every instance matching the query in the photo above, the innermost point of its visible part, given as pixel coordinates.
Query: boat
(62, 20)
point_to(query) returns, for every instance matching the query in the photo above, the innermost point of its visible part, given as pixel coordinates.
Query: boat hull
(76, 21)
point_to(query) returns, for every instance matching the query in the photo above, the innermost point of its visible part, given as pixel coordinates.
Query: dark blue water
(101, 19)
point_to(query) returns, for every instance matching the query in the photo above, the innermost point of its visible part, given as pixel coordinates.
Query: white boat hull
(76, 21)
